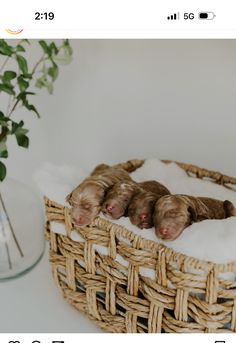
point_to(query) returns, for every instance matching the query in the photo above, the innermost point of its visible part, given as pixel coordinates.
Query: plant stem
(11, 227)
(4, 63)
(38, 63)
(6, 245)
(9, 103)
(14, 107)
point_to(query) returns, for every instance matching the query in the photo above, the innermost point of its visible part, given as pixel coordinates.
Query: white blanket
(210, 240)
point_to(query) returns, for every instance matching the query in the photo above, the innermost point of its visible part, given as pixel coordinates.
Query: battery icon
(206, 15)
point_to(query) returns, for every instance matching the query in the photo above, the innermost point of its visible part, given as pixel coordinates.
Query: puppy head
(172, 215)
(85, 201)
(141, 208)
(229, 208)
(118, 199)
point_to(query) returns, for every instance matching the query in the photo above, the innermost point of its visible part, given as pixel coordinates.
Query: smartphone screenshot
(117, 170)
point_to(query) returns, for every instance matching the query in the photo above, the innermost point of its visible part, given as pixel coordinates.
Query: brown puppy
(118, 198)
(120, 195)
(173, 213)
(140, 210)
(87, 198)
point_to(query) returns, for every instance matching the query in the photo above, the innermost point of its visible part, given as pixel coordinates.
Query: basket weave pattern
(187, 295)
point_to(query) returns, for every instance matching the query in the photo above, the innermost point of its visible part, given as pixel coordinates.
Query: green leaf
(3, 122)
(20, 131)
(3, 119)
(53, 71)
(62, 59)
(43, 82)
(3, 149)
(30, 93)
(22, 95)
(5, 131)
(27, 76)
(7, 89)
(45, 47)
(25, 41)
(4, 154)
(22, 64)
(23, 85)
(16, 126)
(3, 171)
(8, 75)
(25, 102)
(5, 49)
(54, 48)
(20, 48)
(22, 140)
(31, 108)
(68, 49)
(39, 82)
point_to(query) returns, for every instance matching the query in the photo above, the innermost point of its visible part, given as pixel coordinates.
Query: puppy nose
(143, 216)
(109, 208)
(77, 219)
(163, 230)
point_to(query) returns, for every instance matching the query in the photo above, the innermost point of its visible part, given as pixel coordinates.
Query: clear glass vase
(21, 229)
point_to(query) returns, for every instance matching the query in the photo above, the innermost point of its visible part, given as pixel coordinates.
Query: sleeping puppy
(173, 213)
(140, 210)
(86, 199)
(118, 199)
(119, 196)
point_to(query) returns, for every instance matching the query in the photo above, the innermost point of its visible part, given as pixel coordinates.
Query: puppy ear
(229, 209)
(68, 198)
(193, 213)
(99, 169)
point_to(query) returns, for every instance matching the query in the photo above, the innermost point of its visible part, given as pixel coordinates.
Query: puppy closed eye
(87, 206)
(173, 214)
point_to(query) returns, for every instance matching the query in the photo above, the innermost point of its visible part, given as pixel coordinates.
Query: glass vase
(21, 229)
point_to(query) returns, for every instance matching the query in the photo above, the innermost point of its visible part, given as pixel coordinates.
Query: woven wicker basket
(188, 295)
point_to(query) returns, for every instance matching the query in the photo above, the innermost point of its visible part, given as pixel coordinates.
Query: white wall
(122, 99)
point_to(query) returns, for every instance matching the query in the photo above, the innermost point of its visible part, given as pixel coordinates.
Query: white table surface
(32, 303)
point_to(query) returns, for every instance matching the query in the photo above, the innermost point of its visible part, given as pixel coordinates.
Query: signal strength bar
(174, 16)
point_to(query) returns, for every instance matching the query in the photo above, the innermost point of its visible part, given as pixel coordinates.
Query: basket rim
(144, 243)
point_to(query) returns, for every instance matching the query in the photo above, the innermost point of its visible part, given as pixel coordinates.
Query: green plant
(17, 85)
